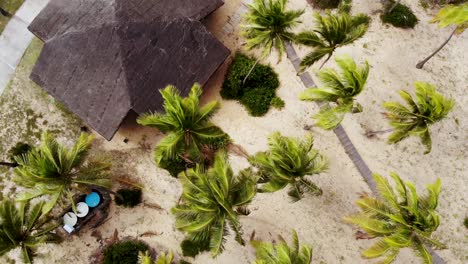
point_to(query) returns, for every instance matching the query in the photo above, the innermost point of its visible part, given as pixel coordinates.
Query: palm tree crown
(427, 108)
(186, 123)
(25, 227)
(332, 31)
(400, 218)
(53, 169)
(209, 202)
(268, 25)
(282, 253)
(338, 89)
(288, 161)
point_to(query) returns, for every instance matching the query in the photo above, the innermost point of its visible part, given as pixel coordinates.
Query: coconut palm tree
(287, 162)
(268, 25)
(399, 218)
(282, 253)
(162, 258)
(332, 31)
(339, 89)
(55, 170)
(186, 123)
(427, 108)
(23, 226)
(211, 201)
(450, 15)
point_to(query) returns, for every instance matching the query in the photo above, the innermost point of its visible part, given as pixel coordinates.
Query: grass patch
(125, 252)
(10, 6)
(128, 197)
(401, 16)
(259, 89)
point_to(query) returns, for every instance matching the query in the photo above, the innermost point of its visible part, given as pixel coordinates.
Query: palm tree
(448, 16)
(332, 32)
(212, 200)
(339, 90)
(427, 108)
(186, 123)
(287, 162)
(24, 227)
(281, 253)
(268, 25)
(55, 170)
(399, 218)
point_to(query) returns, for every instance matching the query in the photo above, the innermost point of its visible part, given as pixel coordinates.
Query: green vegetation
(287, 162)
(332, 31)
(163, 258)
(399, 218)
(339, 89)
(190, 136)
(345, 6)
(53, 169)
(400, 16)
(449, 16)
(125, 252)
(281, 253)
(19, 149)
(128, 197)
(23, 226)
(326, 4)
(7, 9)
(465, 222)
(258, 93)
(427, 108)
(210, 202)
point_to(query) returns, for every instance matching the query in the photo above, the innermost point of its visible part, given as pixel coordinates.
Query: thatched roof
(103, 58)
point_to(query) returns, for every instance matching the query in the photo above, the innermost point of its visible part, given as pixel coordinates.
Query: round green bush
(325, 4)
(125, 252)
(259, 89)
(19, 149)
(465, 222)
(191, 249)
(128, 197)
(401, 16)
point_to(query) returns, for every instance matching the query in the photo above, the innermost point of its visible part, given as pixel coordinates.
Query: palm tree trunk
(339, 130)
(420, 64)
(8, 164)
(326, 60)
(5, 13)
(251, 70)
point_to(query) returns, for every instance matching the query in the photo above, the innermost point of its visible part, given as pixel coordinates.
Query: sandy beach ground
(392, 54)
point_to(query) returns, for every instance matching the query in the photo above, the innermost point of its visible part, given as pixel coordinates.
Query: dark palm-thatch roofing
(103, 58)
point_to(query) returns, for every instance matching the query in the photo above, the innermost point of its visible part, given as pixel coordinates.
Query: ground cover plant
(338, 89)
(325, 4)
(281, 252)
(399, 218)
(190, 136)
(124, 252)
(128, 197)
(287, 162)
(210, 203)
(258, 93)
(399, 15)
(427, 108)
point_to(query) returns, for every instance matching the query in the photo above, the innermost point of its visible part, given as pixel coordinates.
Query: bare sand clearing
(392, 53)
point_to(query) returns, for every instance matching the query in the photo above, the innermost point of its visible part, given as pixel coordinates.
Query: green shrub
(125, 252)
(128, 197)
(277, 103)
(259, 89)
(173, 166)
(19, 149)
(466, 222)
(401, 16)
(325, 4)
(191, 249)
(345, 6)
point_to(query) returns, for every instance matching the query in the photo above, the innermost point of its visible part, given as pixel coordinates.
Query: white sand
(392, 53)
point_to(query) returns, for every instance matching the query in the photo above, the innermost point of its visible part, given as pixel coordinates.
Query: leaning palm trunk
(251, 70)
(345, 141)
(420, 64)
(8, 164)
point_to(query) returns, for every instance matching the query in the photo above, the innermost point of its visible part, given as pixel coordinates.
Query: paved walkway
(16, 38)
